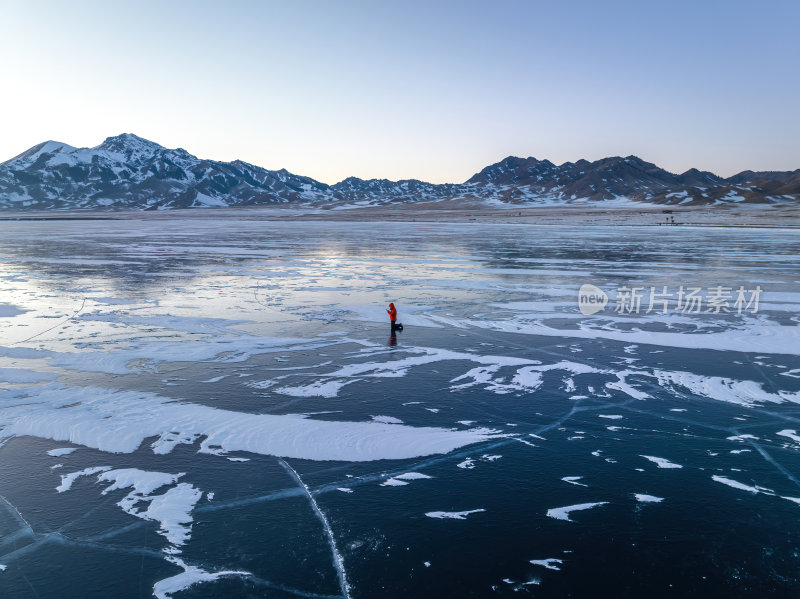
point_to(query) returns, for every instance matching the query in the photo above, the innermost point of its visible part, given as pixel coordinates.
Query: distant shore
(745, 215)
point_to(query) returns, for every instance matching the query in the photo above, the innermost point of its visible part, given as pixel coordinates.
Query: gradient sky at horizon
(426, 90)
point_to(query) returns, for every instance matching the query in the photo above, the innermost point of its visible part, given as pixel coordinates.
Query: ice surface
(754, 489)
(643, 498)
(18, 375)
(745, 393)
(387, 419)
(551, 563)
(191, 575)
(393, 482)
(61, 451)
(412, 476)
(661, 462)
(68, 479)
(172, 511)
(8, 310)
(790, 433)
(764, 337)
(142, 482)
(180, 315)
(528, 378)
(621, 384)
(574, 480)
(453, 515)
(562, 513)
(118, 422)
(318, 389)
(119, 361)
(335, 380)
(735, 484)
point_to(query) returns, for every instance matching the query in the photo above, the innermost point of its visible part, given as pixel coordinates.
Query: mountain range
(129, 172)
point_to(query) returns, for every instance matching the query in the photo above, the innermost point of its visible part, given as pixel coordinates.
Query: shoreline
(749, 216)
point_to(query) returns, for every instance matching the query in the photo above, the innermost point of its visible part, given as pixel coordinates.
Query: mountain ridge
(129, 172)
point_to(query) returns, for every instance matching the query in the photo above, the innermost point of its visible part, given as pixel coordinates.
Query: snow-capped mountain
(379, 191)
(128, 172)
(528, 179)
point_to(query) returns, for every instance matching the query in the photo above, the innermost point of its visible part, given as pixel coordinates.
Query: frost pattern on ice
(453, 515)
(68, 479)
(745, 393)
(562, 513)
(393, 482)
(61, 451)
(412, 476)
(551, 563)
(644, 498)
(789, 433)
(172, 509)
(744, 437)
(741, 486)
(118, 422)
(191, 575)
(661, 462)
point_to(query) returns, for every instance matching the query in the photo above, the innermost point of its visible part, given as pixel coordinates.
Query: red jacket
(392, 312)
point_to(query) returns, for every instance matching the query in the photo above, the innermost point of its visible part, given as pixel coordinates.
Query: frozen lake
(215, 408)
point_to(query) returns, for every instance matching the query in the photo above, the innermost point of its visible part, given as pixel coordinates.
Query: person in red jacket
(396, 326)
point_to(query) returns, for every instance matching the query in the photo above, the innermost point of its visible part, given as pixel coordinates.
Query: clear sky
(433, 90)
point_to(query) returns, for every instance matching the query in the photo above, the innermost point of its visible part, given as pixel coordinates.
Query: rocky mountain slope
(128, 172)
(521, 179)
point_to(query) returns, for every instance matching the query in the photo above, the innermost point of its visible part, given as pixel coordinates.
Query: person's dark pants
(396, 326)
